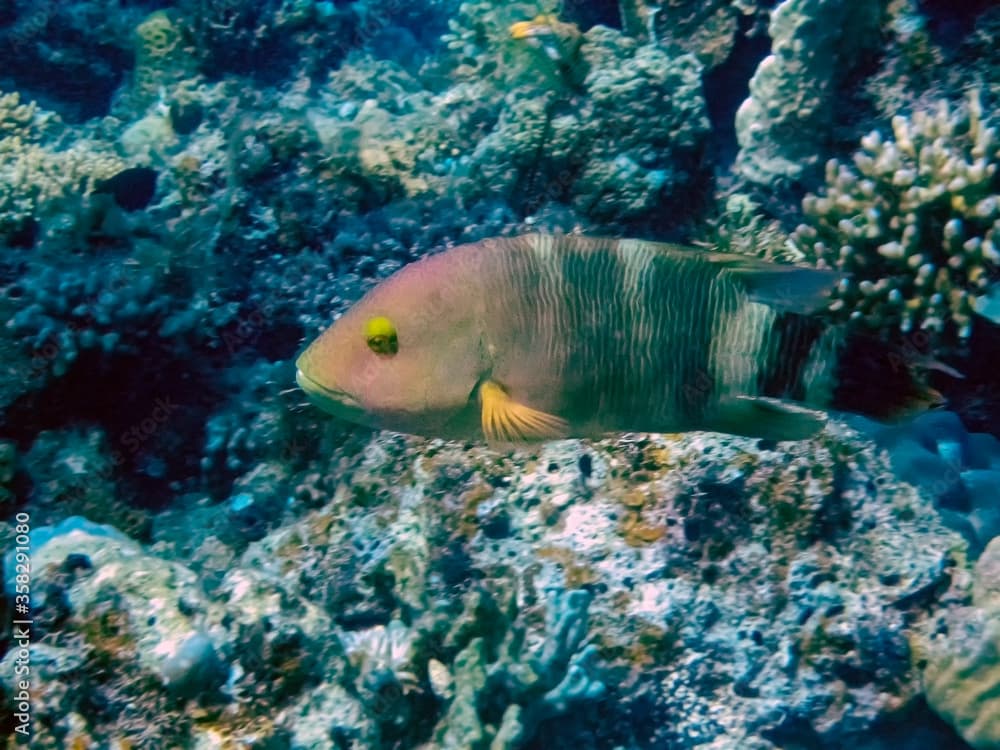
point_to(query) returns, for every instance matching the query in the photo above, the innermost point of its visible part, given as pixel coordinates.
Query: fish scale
(593, 291)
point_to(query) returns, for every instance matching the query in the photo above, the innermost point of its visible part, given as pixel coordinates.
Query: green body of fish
(602, 335)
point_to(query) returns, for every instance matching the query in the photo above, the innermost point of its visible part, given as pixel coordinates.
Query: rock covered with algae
(732, 592)
(962, 672)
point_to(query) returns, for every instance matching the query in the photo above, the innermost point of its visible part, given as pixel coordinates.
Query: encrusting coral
(915, 222)
(163, 59)
(962, 676)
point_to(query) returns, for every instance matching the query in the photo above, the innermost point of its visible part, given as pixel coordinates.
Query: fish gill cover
(192, 191)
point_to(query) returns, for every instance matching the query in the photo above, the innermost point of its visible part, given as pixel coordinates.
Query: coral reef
(163, 61)
(596, 156)
(708, 30)
(915, 222)
(432, 594)
(657, 163)
(816, 44)
(267, 39)
(108, 307)
(70, 57)
(191, 189)
(535, 687)
(38, 182)
(962, 671)
(959, 470)
(483, 46)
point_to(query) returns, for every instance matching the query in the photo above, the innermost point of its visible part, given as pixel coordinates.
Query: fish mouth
(336, 402)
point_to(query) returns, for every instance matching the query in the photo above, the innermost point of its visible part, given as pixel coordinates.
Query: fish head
(406, 357)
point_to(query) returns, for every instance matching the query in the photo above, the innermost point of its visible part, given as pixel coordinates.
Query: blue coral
(958, 469)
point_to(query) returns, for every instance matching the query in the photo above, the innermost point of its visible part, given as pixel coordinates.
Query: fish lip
(311, 386)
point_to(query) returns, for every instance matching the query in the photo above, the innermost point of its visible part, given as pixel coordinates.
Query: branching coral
(524, 687)
(915, 221)
(34, 177)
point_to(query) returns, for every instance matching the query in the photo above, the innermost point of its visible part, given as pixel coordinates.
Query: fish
(132, 188)
(557, 40)
(543, 337)
(557, 43)
(988, 305)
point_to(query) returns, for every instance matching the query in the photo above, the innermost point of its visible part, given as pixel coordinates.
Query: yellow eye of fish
(380, 334)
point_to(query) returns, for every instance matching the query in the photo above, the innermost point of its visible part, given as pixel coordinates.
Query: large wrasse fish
(541, 337)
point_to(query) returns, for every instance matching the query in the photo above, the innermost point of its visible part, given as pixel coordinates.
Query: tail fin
(883, 380)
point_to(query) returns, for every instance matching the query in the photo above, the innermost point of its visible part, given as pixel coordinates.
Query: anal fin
(767, 418)
(505, 420)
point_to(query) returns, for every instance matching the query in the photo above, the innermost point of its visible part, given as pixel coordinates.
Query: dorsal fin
(785, 288)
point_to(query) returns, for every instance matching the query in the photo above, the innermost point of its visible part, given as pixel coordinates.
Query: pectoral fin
(767, 418)
(505, 420)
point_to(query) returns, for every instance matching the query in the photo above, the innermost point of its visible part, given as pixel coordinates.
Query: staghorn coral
(915, 221)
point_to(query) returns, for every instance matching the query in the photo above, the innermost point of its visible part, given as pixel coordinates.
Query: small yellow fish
(557, 40)
(541, 337)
